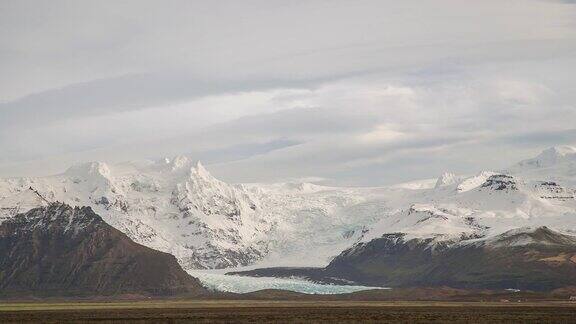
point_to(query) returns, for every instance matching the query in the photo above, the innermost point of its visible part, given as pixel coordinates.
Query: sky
(351, 93)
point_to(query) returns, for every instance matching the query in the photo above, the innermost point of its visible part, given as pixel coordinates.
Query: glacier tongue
(215, 280)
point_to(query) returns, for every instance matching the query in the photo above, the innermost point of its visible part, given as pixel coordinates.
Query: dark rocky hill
(63, 251)
(532, 259)
(539, 259)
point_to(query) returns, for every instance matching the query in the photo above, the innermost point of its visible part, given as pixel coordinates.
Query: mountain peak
(541, 235)
(556, 152)
(84, 255)
(550, 157)
(58, 214)
(447, 178)
(200, 167)
(89, 169)
(200, 171)
(174, 163)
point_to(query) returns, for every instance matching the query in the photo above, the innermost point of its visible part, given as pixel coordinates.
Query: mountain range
(500, 229)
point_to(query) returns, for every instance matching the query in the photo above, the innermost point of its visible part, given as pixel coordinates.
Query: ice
(216, 280)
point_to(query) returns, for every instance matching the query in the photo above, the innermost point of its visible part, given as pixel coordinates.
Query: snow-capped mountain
(535, 192)
(446, 179)
(471, 209)
(177, 206)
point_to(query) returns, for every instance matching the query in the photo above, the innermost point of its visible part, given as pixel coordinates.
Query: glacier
(218, 281)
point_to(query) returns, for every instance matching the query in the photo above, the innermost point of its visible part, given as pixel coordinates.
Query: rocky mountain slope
(526, 259)
(63, 251)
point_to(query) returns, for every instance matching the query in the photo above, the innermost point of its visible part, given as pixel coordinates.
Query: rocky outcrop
(500, 182)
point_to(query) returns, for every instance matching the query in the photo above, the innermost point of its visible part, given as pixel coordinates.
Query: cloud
(362, 92)
(354, 132)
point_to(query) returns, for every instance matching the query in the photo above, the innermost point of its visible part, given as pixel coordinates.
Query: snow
(216, 280)
(481, 209)
(416, 184)
(446, 179)
(474, 181)
(554, 164)
(551, 157)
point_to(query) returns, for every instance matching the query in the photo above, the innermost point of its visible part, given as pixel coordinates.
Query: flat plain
(248, 311)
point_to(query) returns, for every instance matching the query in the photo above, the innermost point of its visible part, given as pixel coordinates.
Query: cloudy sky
(341, 92)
